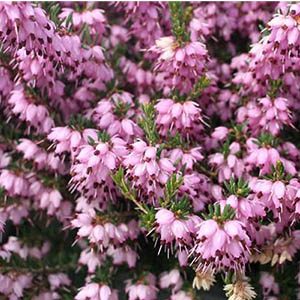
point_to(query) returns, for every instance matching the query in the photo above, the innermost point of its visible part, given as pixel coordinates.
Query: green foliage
(278, 173)
(199, 86)
(79, 122)
(266, 139)
(238, 187)
(121, 108)
(175, 141)
(148, 219)
(86, 37)
(53, 10)
(179, 19)
(120, 181)
(225, 149)
(177, 96)
(69, 22)
(103, 136)
(181, 207)
(171, 189)
(237, 133)
(274, 88)
(9, 133)
(103, 273)
(263, 30)
(228, 277)
(91, 141)
(128, 192)
(195, 93)
(287, 280)
(148, 124)
(216, 214)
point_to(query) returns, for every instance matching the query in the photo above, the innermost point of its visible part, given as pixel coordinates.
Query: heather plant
(149, 150)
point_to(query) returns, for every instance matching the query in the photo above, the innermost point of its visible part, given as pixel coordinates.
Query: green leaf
(148, 124)
(171, 189)
(80, 122)
(199, 86)
(148, 219)
(91, 141)
(127, 191)
(180, 20)
(69, 22)
(103, 136)
(181, 207)
(239, 188)
(266, 139)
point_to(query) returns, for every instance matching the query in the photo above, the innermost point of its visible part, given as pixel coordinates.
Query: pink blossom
(172, 278)
(144, 289)
(173, 117)
(95, 291)
(177, 65)
(146, 170)
(214, 241)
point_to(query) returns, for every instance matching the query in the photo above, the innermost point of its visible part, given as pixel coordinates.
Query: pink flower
(95, 291)
(181, 295)
(267, 114)
(228, 164)
(175, 117)
(41, 157)
(142, 80)
(123, 255)
(222, 245)
(58, 280)
(246, 208)
(146, 170)
(115, 115)
(35, 115)
(91, 259)
(198, 187)
(171, 279)
(13, 184)
(220, 133)
(278, 196)
(104, 234)
(182, 257)
(118, 34)
(180, 67)
(93, 17)
(171, 228)
(265, 158)
(144, 289)
(155, 15)
(93, 164)
(268, 283)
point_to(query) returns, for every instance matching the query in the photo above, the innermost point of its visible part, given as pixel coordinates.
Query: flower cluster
(179, 67)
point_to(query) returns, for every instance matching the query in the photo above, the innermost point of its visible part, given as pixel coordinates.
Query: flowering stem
(148, 124)
(128, 193)
(178, 21)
